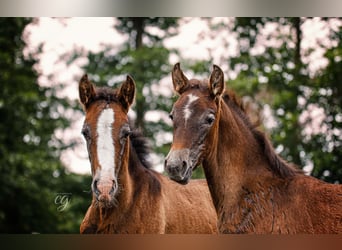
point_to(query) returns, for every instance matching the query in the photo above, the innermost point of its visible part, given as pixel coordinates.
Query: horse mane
(276, 164)
(140, 151)
(141, 147)
(139, 143)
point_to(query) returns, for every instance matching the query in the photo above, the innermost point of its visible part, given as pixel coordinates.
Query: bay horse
(253, 189)
(128, 196)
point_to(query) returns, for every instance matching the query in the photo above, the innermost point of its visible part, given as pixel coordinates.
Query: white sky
(195, 41)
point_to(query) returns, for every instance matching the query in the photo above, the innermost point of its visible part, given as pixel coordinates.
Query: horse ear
(127, 92)
(179, 80)
(86, 91)
(216, 81)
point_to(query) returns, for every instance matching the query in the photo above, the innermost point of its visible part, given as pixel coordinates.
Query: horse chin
(184, 181)
(185, 178)
(107, 203)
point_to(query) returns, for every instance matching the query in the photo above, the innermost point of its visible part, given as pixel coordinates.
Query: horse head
(194, 116)
(106, 131)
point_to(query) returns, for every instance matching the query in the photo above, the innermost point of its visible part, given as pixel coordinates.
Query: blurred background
(288, 72)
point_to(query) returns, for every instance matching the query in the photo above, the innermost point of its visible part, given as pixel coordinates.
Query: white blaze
(105, 144)
(187, 110)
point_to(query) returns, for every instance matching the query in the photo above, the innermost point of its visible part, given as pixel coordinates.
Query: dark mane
(277, 165)
(141, 147)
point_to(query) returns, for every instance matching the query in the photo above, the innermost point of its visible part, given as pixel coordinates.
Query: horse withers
(253, 189)
(128, 196)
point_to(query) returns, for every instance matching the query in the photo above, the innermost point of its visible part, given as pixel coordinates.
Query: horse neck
(125, 180)
(131, 176)
(234, 150)
(139, 188)
(134, 178)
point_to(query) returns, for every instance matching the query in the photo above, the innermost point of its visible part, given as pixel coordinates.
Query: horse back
(308, 205)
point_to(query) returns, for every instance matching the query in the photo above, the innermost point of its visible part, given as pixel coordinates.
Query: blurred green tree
(31, 173)
(325, 148)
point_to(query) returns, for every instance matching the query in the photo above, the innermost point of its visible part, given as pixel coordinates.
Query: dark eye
(85, 132)
(171, 116)
(125, 131)
(210, 119)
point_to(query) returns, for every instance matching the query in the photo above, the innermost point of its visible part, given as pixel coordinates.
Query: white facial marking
(105, 144)
(187, 110)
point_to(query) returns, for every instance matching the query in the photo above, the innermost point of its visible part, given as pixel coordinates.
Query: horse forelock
(105, 94)
(196, 84)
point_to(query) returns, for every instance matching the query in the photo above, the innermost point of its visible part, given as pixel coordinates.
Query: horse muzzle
(105, 190)
(178, 165)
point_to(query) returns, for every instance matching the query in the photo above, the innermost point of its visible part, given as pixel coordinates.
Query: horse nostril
(168, 166)
(112, 189)
(95, 189)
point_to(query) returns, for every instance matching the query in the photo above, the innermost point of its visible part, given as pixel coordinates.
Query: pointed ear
(86, 91)
(179, 80)
(126, 93)
(216, 82)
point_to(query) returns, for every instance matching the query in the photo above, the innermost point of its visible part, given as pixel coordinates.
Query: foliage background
(267, 64)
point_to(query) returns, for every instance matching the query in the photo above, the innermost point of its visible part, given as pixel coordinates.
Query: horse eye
(85, 133)
(210, 119)
(125, 131)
